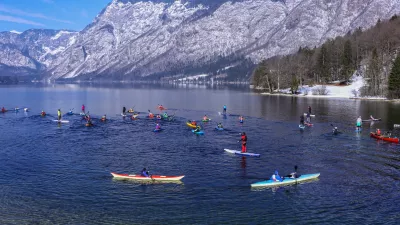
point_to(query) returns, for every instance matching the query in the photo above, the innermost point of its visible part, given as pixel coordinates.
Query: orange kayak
(383, 138)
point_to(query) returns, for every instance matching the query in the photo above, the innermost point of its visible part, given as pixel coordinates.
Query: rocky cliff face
(32, 51)
(131, 38)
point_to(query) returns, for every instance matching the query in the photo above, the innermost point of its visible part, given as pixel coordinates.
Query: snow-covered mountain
(132, 38)
(30, 52)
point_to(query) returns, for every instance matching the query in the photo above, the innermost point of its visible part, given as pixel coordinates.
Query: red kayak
(152, 178)
(383, 138)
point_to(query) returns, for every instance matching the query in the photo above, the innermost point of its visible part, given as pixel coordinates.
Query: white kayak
(61, 121)
(242, 153)
(286, 181)
(152, 178)
(310, 115)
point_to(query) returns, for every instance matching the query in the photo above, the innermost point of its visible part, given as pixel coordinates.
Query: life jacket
(378, 132)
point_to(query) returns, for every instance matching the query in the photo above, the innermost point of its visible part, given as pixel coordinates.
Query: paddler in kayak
(194, 123)
(131, 110)
(276, 177)
(359, 123)
(59, 114)
(220, 125)
(151, 115)
(145, 173)
(165, 115)
(158, 126)
(198, 129)
(241, 118)
(205, 118)
(378, 132)
(104, 118)
(302, 120)
(43, 113)
(335, 130)
(158, 117)
(243, 139)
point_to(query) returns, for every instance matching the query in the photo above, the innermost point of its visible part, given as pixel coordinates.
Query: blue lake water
(60, 174)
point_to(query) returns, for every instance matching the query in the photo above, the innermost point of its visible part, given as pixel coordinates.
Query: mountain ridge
(132, 39)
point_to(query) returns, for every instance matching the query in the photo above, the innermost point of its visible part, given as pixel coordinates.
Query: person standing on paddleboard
(244, 142)
(309, 109)
(358, 123)
(123, 110)
(309, 117)
(59, 114)
(83, 108)
(224, 109)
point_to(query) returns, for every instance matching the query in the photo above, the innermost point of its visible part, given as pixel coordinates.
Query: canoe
(219, 128)
(242, 154)
(383, 138)
(153, 177)
(199, 132)
(310, 115)
(190, 125)
(286, 181)
(61, 121)
(207, 120)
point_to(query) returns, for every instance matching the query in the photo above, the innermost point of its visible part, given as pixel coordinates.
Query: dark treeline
(371, 53)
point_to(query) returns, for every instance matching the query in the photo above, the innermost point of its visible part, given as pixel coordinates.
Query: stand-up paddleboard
(302, 127)
(61, 121)
(242, 153)
(310, 115)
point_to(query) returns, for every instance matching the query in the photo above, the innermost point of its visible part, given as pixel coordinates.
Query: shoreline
(332, 96)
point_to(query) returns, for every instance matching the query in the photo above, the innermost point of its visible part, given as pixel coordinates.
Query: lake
(60, 174)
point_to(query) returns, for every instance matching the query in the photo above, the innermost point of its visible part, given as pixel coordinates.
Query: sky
(21, 15)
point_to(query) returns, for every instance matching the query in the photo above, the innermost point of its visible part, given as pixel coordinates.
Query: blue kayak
(286, 181)
(158, 130)
(219, 128)
(199, 132)
(70, 113)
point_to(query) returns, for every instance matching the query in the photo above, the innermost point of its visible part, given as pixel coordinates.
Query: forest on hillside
(369, 53)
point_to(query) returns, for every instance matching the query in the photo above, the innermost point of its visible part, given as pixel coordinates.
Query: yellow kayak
(190, 125)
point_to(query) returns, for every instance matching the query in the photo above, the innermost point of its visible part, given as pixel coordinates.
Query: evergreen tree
(347, 60)
(394, 79)
(373, 74)
(323, 63)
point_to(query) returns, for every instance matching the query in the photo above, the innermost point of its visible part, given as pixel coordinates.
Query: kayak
(190, 125)
(372, 120)
(207, 120)
(286, 181)
(61, 121)
(158, 130)
(219, 128)
(70, 113)
(199, 132)
(242, 153)
(142, 178)
(383, 138)
(310, 115)
(302, 127)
